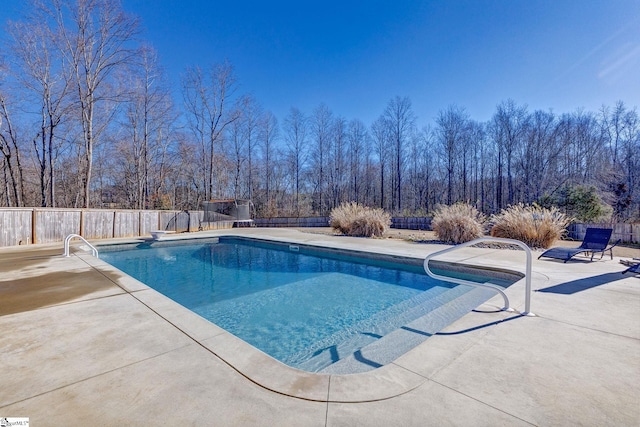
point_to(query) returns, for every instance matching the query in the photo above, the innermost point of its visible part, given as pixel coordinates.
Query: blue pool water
(306, 308)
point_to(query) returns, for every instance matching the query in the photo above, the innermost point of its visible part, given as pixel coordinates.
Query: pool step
(403, 339)
(326, 351)
(394, 331)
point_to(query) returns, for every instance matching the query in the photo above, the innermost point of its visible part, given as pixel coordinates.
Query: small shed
(236, 210)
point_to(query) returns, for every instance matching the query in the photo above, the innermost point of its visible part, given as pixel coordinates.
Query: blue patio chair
(596, 240)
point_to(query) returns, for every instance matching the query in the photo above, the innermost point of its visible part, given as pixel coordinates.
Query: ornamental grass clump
(353, 219)
(457, 223)
(536, 226)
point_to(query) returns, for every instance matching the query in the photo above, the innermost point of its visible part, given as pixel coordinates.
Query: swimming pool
(311, 308)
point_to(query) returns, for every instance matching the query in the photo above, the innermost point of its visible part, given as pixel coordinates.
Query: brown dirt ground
(623, 251)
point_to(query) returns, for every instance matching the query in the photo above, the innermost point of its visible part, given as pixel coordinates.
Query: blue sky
(355, 56)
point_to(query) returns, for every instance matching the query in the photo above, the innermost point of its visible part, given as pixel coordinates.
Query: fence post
(34, 239)
(81, 225)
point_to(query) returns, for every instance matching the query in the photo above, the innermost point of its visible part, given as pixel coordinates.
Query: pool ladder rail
(67, 240)
(507, 306)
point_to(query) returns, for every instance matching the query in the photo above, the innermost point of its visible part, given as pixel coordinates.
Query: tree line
(87, 119)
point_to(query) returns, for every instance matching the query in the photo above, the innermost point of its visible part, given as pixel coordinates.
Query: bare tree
(475, 138)
(41, 71)
(539, 155)
(296, 128)
(147, 124)
(336, 173)
(237, 153)
(482, 159)
(613, 125)
(632, 161)
(188, 190)
(10, 149)
(509, 126)
(452, 126)
(357, 139)
(369, 172)
(425, 174)
(95, 40)
(269, 133)
(321, 123)
(381, 136)
(589, 148)
(413, 194)
(401, 120)
(252, 113)
(621, 130)
(206, 98)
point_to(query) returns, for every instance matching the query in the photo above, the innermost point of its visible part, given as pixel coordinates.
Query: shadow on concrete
(496, 310)
(475, 328)
(50, 289)
(579, 285)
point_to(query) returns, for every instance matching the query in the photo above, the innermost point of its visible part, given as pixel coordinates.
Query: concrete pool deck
(83, 344)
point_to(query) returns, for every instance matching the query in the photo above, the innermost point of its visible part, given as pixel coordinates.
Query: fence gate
(236, 210)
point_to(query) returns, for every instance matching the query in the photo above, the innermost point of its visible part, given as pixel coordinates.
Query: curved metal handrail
(506, 307)
(67, 239)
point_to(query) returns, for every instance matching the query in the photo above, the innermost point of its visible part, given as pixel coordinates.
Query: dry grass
(458, 223)
(354, 219)
(536, 226)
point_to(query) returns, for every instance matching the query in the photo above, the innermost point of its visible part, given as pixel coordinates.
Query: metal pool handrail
(67, 239)
(506, 307)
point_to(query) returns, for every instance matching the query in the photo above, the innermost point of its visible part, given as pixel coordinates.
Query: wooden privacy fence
(628, 233)
(410, 223)
(24, 226)
(316, 221)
